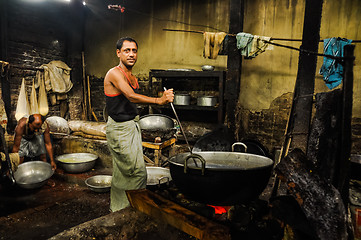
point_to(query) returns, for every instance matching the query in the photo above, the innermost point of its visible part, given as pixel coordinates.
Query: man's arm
(119, 81)
(19, 132)
(49, 147)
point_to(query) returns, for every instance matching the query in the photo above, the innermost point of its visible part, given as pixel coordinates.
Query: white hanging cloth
(34, 107)
(43, 98)
(22, 107)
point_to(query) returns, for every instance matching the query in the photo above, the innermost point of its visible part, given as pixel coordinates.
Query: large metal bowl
(99, 183)
(156, 122)
(34, 174)
(77, 162)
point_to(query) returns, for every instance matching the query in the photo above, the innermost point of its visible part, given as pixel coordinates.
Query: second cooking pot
(181, 99)
(209, 101)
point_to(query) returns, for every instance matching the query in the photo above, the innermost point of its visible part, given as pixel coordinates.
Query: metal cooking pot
(155, 122)
(34, 174)
(181, 99)
(157, 125)
(158, 177)
(208, 101)
(99, 183)
(77, 162)
(221, 178)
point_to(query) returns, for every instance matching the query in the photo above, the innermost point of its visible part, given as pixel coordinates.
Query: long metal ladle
(180, 125)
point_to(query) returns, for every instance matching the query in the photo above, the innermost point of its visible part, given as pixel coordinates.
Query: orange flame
(220, 209)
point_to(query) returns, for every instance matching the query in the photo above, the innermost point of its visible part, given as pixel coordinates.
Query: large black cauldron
(221, 178)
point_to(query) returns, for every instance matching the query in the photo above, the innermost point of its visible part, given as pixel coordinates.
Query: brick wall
(38, 33)
(266, 126)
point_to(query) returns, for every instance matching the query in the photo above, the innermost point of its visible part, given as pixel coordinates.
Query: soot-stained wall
(38, 33)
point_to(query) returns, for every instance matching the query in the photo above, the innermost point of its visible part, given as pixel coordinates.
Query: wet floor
(62, 203)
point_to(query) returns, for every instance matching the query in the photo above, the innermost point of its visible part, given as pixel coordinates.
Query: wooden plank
(347, 98)
(317, 197)
(304, 89)
(148, 160)
(234, 63)
(158, 146)
(176, 216)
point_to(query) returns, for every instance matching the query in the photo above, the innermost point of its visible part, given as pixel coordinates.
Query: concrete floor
(66, 209)
(63, 202)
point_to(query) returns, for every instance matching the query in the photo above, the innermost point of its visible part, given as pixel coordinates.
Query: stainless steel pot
(77, 162)
(34, 174)
(181, 99)
(157, 125)
(99, 183)
(208, 101)
(155, 122)
(221, 178)
(158, 176)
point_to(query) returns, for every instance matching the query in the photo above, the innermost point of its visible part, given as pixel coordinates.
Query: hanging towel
(56, 76)
(332, 70)
(212, 43)
(259, 45)
(244, 43)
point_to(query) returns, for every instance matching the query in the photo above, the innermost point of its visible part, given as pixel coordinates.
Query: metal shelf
(187, 77)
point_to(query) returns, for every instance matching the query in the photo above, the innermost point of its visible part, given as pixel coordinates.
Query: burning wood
(319, 200)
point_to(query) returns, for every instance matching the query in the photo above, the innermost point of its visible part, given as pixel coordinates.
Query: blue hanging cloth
(332, 70)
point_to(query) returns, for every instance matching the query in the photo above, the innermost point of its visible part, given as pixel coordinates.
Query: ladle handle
(195, 156)
(239, 143)
(180, 125)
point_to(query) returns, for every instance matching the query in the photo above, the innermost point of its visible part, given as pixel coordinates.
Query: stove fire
(220, 209)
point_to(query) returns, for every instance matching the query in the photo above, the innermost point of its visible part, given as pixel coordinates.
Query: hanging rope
(276, 44)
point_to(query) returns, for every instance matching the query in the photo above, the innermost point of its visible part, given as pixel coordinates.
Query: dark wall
(37, 33)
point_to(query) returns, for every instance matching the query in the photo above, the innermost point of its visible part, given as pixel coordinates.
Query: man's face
(128, 53)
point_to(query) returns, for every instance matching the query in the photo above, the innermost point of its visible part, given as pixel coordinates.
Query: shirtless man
(32, 140)
(123, 132)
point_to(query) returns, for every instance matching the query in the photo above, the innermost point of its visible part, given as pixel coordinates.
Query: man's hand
(167, 97)
(53, 165)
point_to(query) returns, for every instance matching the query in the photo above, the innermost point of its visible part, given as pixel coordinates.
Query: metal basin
(77, 162)
(99, 183)
(223, 178)
(35, 174)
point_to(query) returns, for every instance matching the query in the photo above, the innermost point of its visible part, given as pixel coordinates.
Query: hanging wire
(277, 44)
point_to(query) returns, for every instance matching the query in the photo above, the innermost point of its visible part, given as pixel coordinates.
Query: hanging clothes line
(229, 34)
(276, 44)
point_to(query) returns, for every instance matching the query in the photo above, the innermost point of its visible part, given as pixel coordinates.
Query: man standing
(123, 132)
(32, 139)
